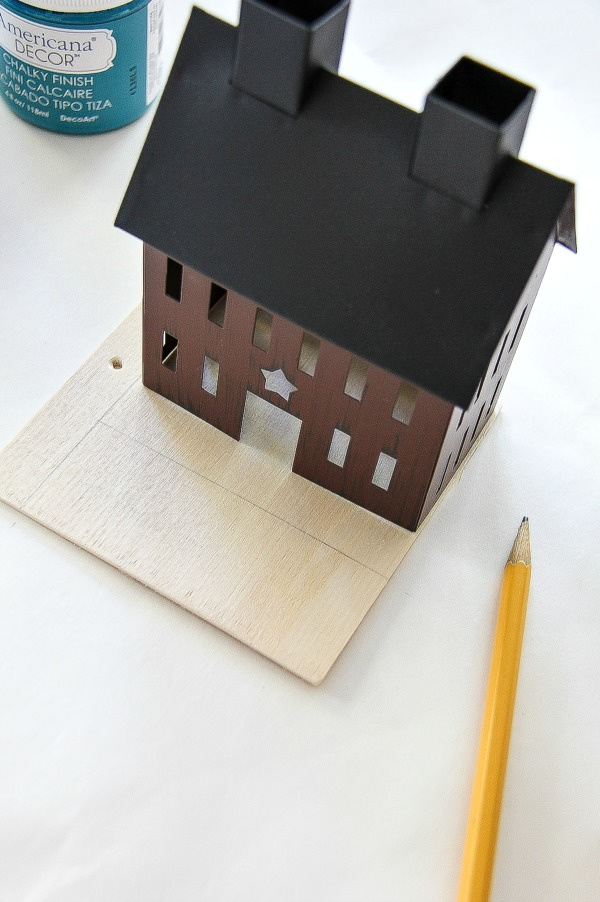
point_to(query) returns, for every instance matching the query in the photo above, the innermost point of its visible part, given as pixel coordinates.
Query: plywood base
(221, 527)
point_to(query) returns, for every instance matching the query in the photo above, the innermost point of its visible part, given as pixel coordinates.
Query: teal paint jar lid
(80, 66)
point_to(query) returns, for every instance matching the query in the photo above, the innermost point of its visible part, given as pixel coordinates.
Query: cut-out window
(518, 329)
(494, 396)
(210, 375)
(169, 351)
(309, 353)
(460, 450)
(405, 402)
(217, 304)
(174, 279)
(357, 378)
(384, 471)
(338, 448)
(499, 357)
(262, 330)
(476, 426)
(439, 488)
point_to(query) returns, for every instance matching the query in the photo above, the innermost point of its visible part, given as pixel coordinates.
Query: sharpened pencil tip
(521, 550)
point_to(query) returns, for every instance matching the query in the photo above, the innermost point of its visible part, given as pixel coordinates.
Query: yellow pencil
(488, 784)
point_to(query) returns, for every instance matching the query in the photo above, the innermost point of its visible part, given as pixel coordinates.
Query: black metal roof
(316, 218)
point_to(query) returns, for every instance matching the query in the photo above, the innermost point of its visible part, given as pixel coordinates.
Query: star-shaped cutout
(276, 381)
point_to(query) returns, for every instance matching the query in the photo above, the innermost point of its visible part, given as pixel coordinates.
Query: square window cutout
(169, 352)
(217, 304)
(405, 403)
(309, 353)
(338, 448)
(174, 279)
(384, 471)
(210, 375)
(357, 379)
(263, 325)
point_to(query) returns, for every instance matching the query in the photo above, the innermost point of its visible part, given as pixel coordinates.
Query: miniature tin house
(366, 268)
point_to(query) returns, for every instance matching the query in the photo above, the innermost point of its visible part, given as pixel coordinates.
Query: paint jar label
(78, 80)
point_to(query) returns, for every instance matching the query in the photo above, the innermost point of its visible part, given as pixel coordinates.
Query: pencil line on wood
(240, 496)
(64, 459)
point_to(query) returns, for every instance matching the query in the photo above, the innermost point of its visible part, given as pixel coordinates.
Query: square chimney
(282, 44)
(474, 118)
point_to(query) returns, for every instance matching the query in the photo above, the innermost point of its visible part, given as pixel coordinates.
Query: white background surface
(146, 757)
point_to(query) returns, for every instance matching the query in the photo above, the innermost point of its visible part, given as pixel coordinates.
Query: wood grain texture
(221, 527)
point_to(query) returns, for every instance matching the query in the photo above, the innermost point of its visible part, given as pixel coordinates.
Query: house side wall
(464, 427)
(187, 322)
(319, 400)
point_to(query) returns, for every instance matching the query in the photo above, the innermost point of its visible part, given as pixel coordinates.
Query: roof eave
(565, 226)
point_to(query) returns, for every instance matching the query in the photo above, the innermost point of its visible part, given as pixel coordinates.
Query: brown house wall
(464, 427)
(320, 401)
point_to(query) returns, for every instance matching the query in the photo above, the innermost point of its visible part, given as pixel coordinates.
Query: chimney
(474, 118)
(282, 44)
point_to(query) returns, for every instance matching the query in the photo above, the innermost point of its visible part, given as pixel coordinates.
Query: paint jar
(80, 66)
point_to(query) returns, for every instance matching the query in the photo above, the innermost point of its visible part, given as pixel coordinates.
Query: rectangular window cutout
(476, 426)
(439, 488)
(518, 329)
(309, 352)
(216, 304)
(338, 448)
(174, 279)
(210, 375)
(499, 358)
(405, 403)
(169, 351)
(384, 471)
(262, 330)
(357, 379)
(460, 450)
(494, 396)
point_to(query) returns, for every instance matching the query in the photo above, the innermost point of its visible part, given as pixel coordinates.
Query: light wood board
(221, 527)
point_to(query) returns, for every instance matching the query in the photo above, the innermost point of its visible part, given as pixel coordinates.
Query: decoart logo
(56, 48)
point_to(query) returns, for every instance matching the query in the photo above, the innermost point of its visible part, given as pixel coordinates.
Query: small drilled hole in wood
(263, 325)
(210, 375)
(116, 363)
(169, 352)
(174, 279)
(405, 403)
(217, 304)
(309, 353)
(338, 448)
(384, 471)
(357, 379)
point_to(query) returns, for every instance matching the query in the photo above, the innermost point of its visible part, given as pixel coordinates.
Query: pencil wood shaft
(486, 799)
